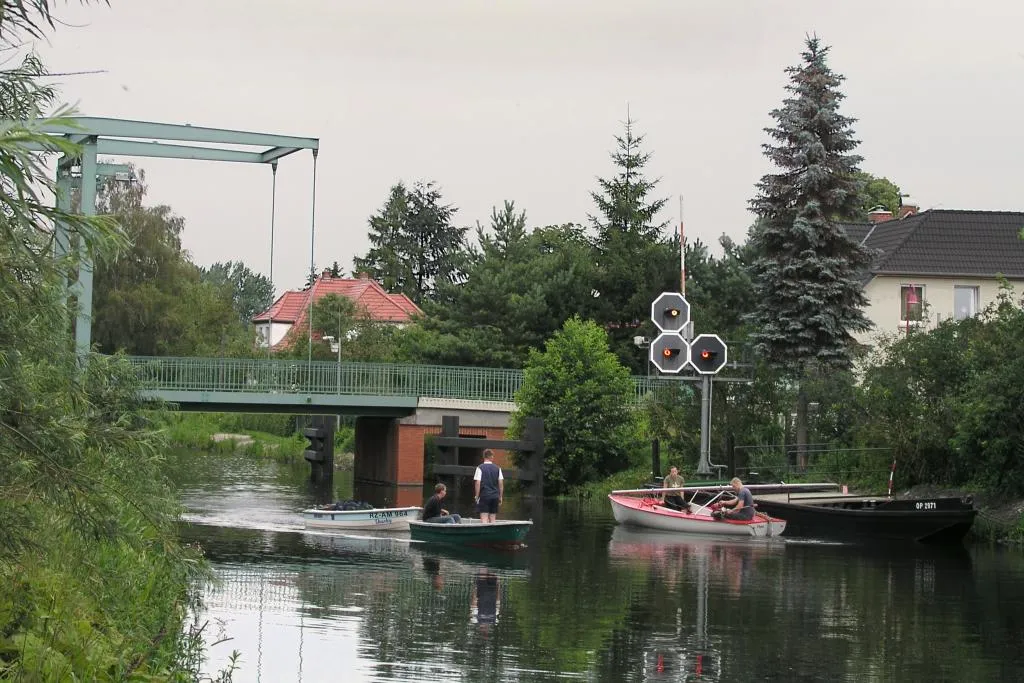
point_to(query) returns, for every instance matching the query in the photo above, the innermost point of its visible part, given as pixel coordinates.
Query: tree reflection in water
(595, 601)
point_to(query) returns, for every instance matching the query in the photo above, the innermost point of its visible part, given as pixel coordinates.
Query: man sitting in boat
(742, 506)
(432, 510)
(674, 480)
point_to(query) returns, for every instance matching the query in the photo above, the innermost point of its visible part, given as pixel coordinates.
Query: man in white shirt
(488, 487)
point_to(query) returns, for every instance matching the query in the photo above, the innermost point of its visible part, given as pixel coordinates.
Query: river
(587, 600)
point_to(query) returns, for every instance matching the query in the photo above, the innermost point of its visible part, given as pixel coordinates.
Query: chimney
(908, 209)
(326, 275)
(879, 215)
(364, 275)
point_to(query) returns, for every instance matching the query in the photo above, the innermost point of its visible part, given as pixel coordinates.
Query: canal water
(587, 600)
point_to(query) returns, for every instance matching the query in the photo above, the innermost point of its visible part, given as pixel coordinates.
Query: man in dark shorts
(742, 506)
(488, 488)
(486, 598)
(432, 510)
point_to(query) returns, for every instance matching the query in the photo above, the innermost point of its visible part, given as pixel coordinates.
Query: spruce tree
(808, 297)
(635, 261)
(415, 245)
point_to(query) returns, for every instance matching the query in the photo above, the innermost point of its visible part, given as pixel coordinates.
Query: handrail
(285, 375)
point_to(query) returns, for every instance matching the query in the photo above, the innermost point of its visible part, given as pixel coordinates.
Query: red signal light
(705, 354)
(667, 353)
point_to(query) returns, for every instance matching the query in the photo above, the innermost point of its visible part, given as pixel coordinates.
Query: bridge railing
(276, 375)
(326, 377)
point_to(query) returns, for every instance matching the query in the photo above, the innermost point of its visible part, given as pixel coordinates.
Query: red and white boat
(643, 508)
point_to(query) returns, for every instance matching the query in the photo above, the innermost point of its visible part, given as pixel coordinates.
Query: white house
(937, 264)
(288, 314)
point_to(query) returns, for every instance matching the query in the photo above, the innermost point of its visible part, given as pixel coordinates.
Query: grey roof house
(937, 264)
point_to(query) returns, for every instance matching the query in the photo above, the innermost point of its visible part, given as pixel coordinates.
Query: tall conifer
(807, 290)
(635, 260)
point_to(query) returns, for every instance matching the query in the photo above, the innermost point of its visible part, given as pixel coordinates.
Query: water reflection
(591, 600)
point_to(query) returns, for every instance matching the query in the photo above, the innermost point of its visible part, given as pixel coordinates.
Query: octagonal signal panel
(669, 353)
(670, 312)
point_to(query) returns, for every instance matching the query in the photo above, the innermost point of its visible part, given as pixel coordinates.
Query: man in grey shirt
(742, 506)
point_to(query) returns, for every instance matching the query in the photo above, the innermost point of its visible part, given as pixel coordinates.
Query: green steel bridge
(299, 386)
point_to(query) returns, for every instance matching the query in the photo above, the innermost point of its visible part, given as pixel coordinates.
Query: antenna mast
(682, 250)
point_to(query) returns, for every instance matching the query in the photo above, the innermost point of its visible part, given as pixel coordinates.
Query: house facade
(278, 324)
(935, 265)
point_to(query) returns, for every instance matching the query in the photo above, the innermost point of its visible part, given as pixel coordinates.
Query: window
(911, 303)
(965, 302)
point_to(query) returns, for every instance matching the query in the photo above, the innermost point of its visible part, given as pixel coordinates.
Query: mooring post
(533, 434)
(449, 428)
(320, 452)
(655, 459)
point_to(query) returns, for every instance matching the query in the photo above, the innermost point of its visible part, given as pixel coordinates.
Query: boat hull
(645, 513)
(473, 532)
(380, 519)
(937, 521)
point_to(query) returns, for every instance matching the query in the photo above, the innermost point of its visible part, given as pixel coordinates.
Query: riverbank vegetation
(260, 435)
(93, 582)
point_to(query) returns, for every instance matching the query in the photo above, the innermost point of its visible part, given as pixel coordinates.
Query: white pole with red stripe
(892, 471)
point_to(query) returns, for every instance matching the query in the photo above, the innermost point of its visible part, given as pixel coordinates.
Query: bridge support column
(386, 453)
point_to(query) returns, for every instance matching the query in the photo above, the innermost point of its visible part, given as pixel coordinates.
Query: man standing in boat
(742, 506)
(432, 510)
(488, 487)
(674, 480)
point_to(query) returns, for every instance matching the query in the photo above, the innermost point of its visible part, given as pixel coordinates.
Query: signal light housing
(708, 354)
(669, 353)
(670, 312)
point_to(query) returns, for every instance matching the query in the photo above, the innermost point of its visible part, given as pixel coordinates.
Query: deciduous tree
(250, 292)
(584, 396)
(149, 298)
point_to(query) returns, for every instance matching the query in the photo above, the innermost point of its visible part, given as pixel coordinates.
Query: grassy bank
(272, 436)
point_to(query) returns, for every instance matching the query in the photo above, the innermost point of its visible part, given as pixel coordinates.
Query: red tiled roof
(378, 304)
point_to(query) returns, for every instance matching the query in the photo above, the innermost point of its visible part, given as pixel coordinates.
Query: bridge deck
(289, 385)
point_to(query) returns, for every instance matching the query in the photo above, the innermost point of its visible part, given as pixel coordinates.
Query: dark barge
(942, 520)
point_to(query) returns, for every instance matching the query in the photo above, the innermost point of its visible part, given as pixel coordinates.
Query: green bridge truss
(277, 384)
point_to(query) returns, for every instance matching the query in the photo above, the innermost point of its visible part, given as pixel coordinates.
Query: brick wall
(387, 451)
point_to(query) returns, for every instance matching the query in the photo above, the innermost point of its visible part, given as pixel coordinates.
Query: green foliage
(807, 292)
(878, 192)
(520, 289)
(583, 394)
(634, 261)
(250, 293)
(948, 400)
(93, 584)
(415, 247)
(719, 289)
(362, 339)
(633, 478)
(149, 299)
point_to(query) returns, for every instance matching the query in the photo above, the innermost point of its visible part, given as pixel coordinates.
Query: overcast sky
(520, 99)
